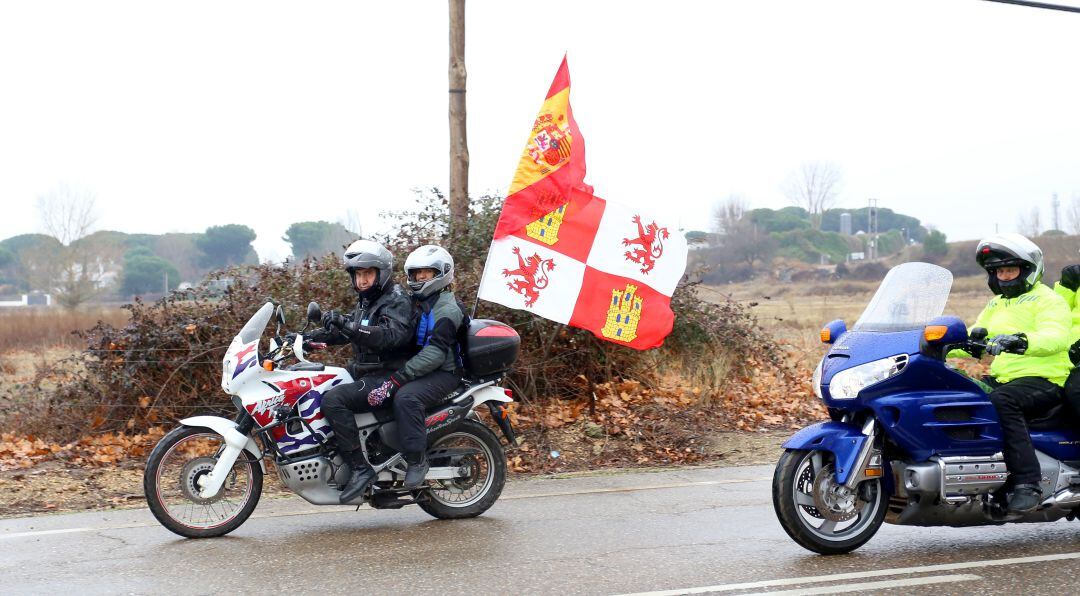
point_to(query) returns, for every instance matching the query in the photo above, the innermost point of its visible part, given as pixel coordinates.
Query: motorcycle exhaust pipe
(502, 418)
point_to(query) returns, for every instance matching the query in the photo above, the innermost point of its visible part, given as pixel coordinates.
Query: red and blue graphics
(305, 393)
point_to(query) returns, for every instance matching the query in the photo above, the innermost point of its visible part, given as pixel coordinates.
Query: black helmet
(1010, 250)
(365, 254)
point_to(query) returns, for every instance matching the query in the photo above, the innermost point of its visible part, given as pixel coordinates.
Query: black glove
(1074, 353)
(978, 334)
(332, 319)
(1013, 344)
(1070, 277)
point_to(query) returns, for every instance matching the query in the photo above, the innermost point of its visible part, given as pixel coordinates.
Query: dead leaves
(92, 451)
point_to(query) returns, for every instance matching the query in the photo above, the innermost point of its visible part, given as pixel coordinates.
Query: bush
(166, 362)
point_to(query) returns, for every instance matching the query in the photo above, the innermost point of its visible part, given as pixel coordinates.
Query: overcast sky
(177, 116)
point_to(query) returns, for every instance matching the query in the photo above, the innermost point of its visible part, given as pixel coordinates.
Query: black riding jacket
(390, 341)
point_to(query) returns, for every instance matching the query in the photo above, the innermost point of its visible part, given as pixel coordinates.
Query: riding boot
(417, 470)
(1024, 498)
(361, 476)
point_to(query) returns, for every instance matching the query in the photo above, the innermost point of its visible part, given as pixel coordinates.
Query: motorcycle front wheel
(819, 514)
(171, 482)
(483, 472)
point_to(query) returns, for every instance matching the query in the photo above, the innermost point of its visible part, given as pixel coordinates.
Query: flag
(592, 264)
(552, 164)
(567, 255)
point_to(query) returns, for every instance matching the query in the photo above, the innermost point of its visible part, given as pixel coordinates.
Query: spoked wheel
(171, 484)
(481, 462)
(817, 512)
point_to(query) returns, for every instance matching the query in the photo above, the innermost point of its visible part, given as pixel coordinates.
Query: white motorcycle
(205, 477)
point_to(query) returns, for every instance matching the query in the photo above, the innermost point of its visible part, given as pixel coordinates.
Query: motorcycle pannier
(491, 348)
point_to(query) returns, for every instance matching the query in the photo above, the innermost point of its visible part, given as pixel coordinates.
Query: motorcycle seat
(306, 367)
(1056, 417)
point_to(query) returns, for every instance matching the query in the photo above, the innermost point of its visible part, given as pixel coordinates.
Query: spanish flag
(552, 165)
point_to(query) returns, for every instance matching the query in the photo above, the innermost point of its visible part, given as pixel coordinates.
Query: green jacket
(1044, 318)
(1070, 299)
(441, 318)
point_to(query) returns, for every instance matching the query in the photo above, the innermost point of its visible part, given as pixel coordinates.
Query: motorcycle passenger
(429, 376)
(380, 330)
(1028, 326)
(1066, 287)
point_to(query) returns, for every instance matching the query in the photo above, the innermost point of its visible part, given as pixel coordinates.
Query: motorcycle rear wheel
(171, 478)
(805, 491)
(480, 488)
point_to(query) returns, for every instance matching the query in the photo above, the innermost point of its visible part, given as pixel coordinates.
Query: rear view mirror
(940, 334)
(831, 332)
(279, 315)
(314, 313)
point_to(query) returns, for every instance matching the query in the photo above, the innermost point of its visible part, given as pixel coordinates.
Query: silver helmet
(364, 254)
(429, 257)
(1010, 250)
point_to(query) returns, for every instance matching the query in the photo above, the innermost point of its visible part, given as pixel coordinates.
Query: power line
(1045, 5)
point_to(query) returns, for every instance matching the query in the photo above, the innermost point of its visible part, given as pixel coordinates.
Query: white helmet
(429, 257)
(364, 254)
(1010, 250)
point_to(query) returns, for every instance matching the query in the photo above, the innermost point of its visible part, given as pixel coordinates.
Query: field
(795, 313)
(31, 329)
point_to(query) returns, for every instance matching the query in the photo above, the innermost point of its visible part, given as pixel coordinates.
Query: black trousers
(340, 404)
(1016, 402)
(1072, 393)
(410, 402)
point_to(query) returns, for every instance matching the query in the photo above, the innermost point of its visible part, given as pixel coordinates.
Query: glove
(1070, 277)
(379, 395)
(1013, 344)
(1074, 353)
(332, 319)
(978, 333)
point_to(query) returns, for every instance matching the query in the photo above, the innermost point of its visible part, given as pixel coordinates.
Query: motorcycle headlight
(847, 384)
(816, 379)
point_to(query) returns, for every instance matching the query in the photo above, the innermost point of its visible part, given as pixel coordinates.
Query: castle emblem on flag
(623, 315)
(651, 242)
(550, 145)
(533, 273)
(546, 229)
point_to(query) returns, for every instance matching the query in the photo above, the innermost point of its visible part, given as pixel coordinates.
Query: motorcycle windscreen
(908, 298)
(253, 329)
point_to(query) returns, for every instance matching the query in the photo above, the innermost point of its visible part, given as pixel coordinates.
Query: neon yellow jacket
(1045, 319)
(1070, 299)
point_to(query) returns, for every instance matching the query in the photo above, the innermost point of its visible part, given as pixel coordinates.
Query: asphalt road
(684, 531)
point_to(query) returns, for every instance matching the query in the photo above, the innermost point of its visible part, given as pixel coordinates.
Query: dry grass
(795, 312)
(32, 329)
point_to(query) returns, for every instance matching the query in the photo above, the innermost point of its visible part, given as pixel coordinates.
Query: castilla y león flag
(583, 261)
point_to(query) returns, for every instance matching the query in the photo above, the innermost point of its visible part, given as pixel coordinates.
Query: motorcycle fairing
(844, 441)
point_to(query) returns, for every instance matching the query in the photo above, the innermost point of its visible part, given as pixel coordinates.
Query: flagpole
(483, 276)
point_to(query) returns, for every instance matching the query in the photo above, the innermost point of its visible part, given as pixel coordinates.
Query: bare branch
(814, 187)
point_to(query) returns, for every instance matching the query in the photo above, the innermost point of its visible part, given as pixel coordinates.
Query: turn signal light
(826, 335)
(934, 332)
(268, 364)
(873, 472)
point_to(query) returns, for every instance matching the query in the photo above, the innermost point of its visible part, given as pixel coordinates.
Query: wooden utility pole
(459, 146)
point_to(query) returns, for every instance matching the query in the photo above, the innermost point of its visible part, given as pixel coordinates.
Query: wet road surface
(685, 531)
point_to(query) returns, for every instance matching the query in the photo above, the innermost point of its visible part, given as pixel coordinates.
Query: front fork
(868, 464)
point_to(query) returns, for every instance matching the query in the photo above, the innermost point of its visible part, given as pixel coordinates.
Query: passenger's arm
(1053, 321)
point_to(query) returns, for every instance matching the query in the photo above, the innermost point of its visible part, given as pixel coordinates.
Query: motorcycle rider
(1066, 287)
(380, 330)
(435, 370)
(1028, 325)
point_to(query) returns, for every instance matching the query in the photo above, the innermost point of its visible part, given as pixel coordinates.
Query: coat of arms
(533, 273)
(650, 241)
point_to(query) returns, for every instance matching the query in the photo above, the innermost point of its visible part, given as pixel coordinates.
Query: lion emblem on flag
(533, 273)
(650, 241)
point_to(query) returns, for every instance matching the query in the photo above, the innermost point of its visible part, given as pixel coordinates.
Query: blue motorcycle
(911, 440)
